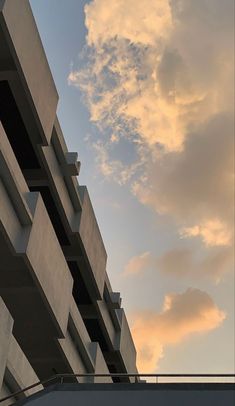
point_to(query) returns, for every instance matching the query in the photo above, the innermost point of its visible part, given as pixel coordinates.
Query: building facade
(58, 313)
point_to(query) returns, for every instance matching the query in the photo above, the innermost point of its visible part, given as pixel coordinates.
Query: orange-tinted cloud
(196, 186)
(138, 264)
(183, 315)
(160, 74)
(119, 20)
(183, 263)
(213, 232)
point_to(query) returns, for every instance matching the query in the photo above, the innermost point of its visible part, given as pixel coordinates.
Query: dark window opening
(106, 296)
(113, 370)
(80, 292)
(95, 333)
(15, 129)
(53, 213)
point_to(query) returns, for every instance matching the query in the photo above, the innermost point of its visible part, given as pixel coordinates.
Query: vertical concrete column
(6, 324)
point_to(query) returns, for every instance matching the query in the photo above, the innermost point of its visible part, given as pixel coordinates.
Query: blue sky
(145, 110)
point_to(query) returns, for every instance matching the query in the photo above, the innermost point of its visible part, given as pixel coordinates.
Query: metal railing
(60, 378)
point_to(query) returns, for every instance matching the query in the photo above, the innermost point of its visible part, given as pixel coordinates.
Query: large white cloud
(183, 314)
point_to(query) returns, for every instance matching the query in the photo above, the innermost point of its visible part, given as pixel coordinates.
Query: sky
(146, 99)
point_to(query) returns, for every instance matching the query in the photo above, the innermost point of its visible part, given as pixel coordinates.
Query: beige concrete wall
(81, 222)
(43, 256)
(106, 321)
(92, 241)
(71, 351)
(48, 265)
(6, 324)
(20, 369)
(56, 179)
(100, 365)
(13, 179)
(125, 346)
(4, 392)
(81, 336)
(15, 370)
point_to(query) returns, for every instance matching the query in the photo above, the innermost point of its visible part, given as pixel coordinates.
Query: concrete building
(58, 313)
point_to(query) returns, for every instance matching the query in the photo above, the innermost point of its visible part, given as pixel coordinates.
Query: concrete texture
(100, 365)
(19, 368)
(13, 179)
(91, 239)
(45, 258)
(6, 323)
(80, 335)
(125, 346)
(15, 370)
(106, 322)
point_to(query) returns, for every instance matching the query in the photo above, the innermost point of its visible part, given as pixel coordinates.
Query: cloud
(196, 186)
(146, 65)
(157, 78)
(183, 314)
(160, 74)
(113, 169)
(213, 232)
(183, 263)
(119, 20)
(138, 264)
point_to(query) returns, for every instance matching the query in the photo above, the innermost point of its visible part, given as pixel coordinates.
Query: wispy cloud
(183, 263)
(183, 314)
(138, 264)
